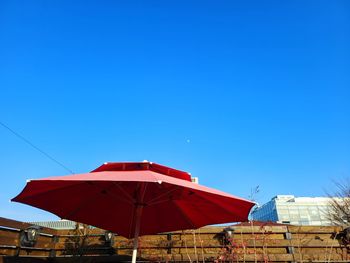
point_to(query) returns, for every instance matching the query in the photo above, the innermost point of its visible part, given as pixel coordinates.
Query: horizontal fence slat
(248, 243)
(9, 223)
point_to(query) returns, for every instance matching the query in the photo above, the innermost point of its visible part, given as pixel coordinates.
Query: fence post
(18, 245)
(169, 243)
(290, 249)
(53, 250)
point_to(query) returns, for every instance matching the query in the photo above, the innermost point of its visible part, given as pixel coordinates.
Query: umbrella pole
(137, 232)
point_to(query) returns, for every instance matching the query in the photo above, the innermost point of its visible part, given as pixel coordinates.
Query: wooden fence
(247, 243)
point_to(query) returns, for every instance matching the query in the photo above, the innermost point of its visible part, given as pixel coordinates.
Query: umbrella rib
(184, 215)
(105, 191)
(158, 202)
(53, 190)
(84, 204)
(218, 205)
(116, 197)
(127, 199)
(154, 200)
(126, 194)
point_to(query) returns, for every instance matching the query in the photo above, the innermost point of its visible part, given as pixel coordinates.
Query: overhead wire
(36, 147)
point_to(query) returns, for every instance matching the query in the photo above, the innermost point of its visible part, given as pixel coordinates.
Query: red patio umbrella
(134, 199)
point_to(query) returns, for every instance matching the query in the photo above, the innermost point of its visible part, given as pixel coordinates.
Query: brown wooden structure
(247, 243)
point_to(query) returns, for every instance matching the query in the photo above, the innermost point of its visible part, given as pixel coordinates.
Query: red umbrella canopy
(114, 195)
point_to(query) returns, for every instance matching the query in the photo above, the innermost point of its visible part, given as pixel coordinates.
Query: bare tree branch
(339, 212)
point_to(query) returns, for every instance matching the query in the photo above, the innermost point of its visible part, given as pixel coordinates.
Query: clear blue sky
(238, 94)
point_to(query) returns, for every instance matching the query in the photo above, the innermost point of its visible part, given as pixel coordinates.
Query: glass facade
(289, 209)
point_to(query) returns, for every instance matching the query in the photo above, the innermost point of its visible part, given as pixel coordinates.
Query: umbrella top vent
(141, 166)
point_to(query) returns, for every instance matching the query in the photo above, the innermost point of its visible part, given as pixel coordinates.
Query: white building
(288, 209)
(60, 224)
(195, 180)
